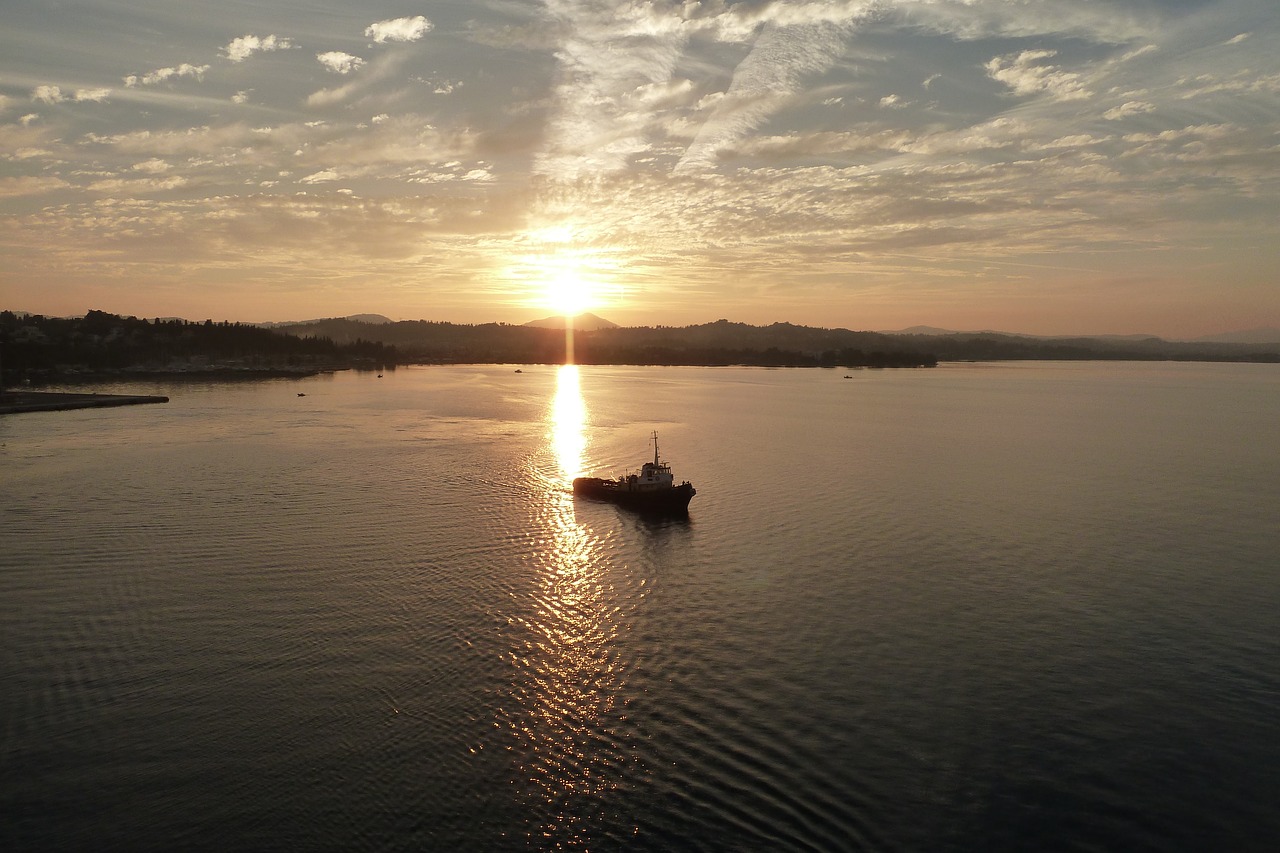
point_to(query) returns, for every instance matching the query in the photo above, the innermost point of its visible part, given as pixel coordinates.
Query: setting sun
(563, 273)
(568, 293)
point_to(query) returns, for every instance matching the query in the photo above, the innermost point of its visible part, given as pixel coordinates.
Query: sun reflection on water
(568, 423)
(567, 677)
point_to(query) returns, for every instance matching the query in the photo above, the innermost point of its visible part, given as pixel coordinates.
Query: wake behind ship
(652, 490)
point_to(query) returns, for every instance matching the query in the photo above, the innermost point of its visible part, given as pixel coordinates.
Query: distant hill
(370, 319)
(921, 330)
(582, 323)
(1261, 335)
(934, 331)
(119, 342)
(41, 348)
(778, 344)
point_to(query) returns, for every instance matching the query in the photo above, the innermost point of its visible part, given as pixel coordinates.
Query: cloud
(1241, 83)
(610, 61)
(160, 75)
(31, 153)
(138, 185)
(741, 22)
(1237, 39)
(320, 177)
(202, 142)
(242, 48)
(29, 185)
(95, 95)
(329, 97)
(1128, 108)
(339, 62)
(374, 73)
(154, 166)
(48, 94)
(611, 55)
(398, 29)
(241, 97)
(776, 67)
(1022, 73)
(1102, 22)
(55, 95)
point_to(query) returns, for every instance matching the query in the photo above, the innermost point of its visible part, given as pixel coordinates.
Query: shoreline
(17, 402)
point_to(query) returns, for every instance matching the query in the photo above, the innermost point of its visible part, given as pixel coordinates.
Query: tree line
(37, 346)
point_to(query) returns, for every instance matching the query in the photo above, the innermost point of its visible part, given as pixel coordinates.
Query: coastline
(17, 402)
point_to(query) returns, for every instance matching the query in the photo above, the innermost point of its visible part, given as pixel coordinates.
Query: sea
(1003, 606)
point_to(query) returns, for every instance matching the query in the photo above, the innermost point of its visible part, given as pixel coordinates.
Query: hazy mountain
(370, 319)
(934, 331)
(582, 323)
(919, 330)
(1261, 335)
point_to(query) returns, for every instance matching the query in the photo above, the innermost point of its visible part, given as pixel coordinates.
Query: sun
(563, 270)
(568, 292)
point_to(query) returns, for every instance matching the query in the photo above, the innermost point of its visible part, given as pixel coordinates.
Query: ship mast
(655, 448)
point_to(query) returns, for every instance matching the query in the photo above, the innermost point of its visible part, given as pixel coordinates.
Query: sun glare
(568, 422)
(565, 273)
(568, 293)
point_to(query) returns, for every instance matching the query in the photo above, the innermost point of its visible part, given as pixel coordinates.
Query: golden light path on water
(568, 423)
(567, 679)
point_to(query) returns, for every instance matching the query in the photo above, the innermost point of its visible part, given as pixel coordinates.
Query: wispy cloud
(371, 75)
(96, 95)
(55, 95)
(1025, 74)
(160, 75)
(137, 185)
(398, 29)
(321, 177)
(779, 61)
(245, 46)
(48, 94)
(154, 166)
(1128, 108)
(609, 58)
(13, 187)
(339, 62)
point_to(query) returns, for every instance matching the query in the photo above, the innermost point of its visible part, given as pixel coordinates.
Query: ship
(652, 490)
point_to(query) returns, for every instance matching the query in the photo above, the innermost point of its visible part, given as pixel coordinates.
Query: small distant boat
(300, 394)
(518, 370)
(652, 490)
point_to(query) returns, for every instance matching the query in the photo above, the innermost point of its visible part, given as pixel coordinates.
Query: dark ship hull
(674, 499)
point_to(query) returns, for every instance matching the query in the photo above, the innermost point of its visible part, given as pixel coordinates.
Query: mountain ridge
(584, 322)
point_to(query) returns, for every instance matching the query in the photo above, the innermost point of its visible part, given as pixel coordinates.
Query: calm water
(976, 607)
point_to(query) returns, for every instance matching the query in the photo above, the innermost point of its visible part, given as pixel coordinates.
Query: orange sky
(1055, 168)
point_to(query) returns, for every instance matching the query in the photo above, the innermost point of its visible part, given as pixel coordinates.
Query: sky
(1042, 166)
